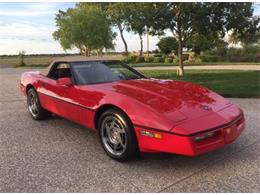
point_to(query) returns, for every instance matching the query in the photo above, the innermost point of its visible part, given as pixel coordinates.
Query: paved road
(57, 155)
(205, 67)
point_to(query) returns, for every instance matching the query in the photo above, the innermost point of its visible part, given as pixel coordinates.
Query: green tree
(198, 43)
(137, 21)
(118, 14)
(185, 20)
(249, 34)
(84, 27)
(220, 49)
(167, 45)
(141, 18)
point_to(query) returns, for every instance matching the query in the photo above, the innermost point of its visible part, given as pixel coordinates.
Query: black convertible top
(83, 58)
(69, 59)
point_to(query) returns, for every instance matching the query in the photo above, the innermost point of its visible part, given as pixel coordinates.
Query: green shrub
(149, 59)
(185, 57)
(251, 49)
(242, 55)
(249, 53)
(130, 59)
(158, 59)
(133, 58)
(21, 57)
(186, 62)
(175, 60)
(197, 60)
(21, 64)
(234, 54)
(126, 60)
(139, 59)
(208, 58)
(157, 55)
(168, 60)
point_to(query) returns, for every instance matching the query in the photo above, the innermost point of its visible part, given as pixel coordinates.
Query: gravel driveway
(57, 155)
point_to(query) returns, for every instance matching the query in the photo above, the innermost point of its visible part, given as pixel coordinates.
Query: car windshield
(93, 72)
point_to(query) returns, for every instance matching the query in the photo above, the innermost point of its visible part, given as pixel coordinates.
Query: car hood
(176, 100)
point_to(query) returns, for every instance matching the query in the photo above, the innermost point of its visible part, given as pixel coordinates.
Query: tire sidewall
(38, 116)
(131, 147)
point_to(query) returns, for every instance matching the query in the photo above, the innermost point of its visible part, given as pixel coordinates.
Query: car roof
(69, 59)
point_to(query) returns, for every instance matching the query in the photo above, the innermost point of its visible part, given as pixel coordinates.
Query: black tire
(35, 109)
(131, 150)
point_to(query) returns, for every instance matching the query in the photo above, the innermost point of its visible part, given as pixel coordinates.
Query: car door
(58, 97)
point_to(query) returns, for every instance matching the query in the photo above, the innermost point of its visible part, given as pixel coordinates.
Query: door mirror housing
(66, 81)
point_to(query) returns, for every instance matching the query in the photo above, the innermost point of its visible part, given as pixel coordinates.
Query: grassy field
(228, 83)
(42, 61)
(35, 61)
(28, 60)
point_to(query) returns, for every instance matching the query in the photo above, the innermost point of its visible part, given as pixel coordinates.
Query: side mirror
(66, 81)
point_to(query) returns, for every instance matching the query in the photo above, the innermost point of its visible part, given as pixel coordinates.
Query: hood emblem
(205, 107)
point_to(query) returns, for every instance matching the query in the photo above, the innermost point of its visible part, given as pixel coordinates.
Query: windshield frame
(104, 62)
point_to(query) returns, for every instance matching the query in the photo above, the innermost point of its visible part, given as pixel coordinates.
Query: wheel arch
(105, 107)
(29, 86)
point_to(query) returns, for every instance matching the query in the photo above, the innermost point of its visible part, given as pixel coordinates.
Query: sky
(29, 27)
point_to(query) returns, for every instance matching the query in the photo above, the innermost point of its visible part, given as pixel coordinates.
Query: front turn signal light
(151, 134)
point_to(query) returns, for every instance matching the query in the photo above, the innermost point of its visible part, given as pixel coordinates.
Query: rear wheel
(117, 135)
(34, 106)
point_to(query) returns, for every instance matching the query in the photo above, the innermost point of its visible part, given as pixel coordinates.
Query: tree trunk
(141, 42)
(100, 52)
(147, 43)
(86, 52)
(122, 37)
(180, 69)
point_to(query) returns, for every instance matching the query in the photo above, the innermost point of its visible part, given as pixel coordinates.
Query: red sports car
(133, 113)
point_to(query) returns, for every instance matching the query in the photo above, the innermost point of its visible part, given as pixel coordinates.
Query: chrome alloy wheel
(33, 104)
(113, 135)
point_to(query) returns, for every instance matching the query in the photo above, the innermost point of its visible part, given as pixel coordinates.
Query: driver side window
(60, 70)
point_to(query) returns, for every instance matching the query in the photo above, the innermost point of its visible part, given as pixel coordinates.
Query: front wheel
(34, 106)
(117, 135)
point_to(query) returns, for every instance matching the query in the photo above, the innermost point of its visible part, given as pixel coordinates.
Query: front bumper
(187, 144)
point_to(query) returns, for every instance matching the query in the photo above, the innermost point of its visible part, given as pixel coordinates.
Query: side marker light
(150, 134)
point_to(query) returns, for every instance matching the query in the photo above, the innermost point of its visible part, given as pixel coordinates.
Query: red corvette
(133, 113)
